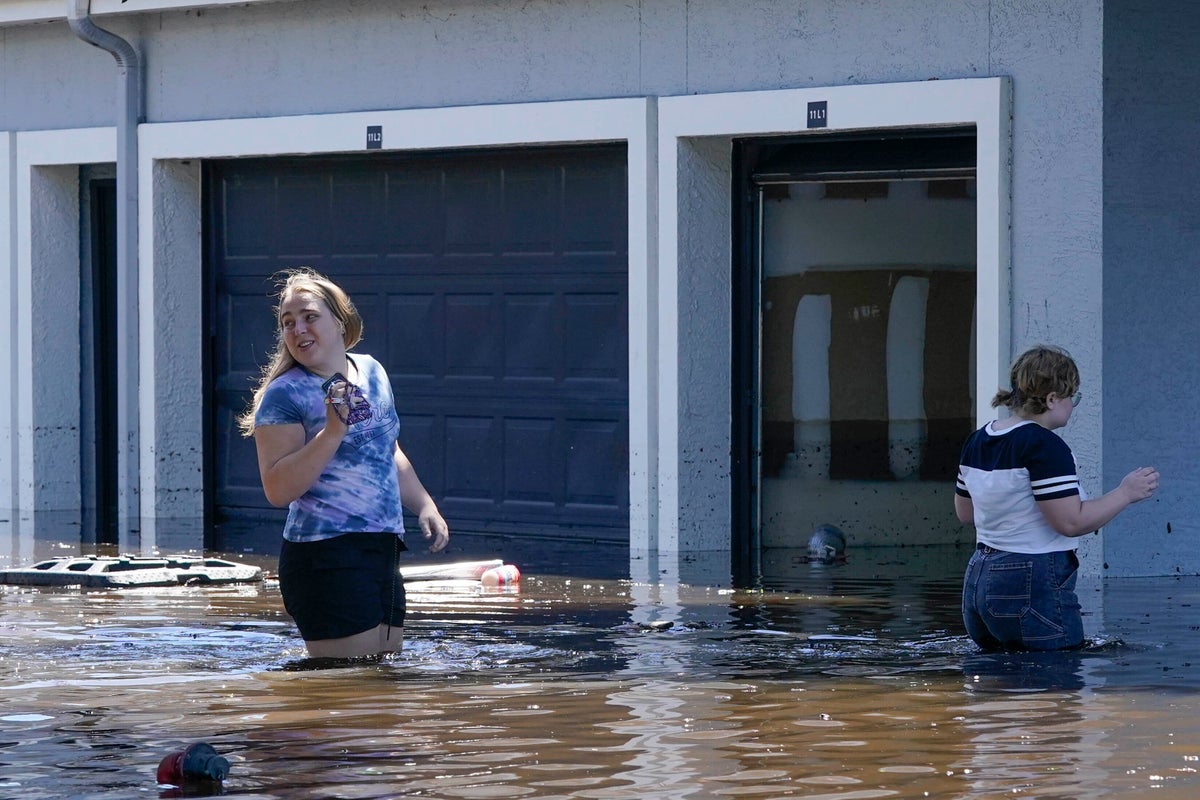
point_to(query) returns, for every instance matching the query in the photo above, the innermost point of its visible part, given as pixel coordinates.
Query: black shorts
(338, 587)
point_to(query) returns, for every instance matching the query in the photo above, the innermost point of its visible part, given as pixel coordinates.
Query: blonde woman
(324, 424)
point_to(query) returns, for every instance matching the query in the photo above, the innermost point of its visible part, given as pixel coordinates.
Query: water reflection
(847, 682)
(1025, 672)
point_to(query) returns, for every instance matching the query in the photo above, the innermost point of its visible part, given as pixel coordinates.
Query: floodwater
(843, 682)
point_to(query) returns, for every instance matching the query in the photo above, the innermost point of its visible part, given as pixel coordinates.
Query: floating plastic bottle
(195, 763)
(504, 575)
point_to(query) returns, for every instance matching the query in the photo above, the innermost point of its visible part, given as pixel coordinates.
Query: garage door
(493, 286)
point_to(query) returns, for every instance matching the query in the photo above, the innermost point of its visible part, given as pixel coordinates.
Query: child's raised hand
(1141, 483)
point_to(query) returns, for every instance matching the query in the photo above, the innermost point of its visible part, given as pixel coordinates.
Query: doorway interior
(98, 344)
(854, 319)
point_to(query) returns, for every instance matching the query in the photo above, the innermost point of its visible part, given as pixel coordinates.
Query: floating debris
(198, 763)
(123, 571)
(460, 570)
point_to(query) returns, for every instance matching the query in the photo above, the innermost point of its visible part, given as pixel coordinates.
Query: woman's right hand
(337, 408)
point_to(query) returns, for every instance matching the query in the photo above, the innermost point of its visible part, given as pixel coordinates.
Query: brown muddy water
(845, 682)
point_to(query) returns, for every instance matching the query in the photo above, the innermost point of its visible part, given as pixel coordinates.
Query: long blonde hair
(305, 280)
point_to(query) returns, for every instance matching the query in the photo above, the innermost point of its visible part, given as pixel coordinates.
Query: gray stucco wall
(705, 319)
(337, 55)
(50, 79)
(321, 56)
(1152, 279)
(1053, 52)
(55, 392)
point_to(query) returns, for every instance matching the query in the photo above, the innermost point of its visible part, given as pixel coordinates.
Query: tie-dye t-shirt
(359, 489)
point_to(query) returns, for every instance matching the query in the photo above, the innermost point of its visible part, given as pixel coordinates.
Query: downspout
(129, 114)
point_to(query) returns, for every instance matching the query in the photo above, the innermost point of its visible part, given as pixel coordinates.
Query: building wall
(1053, 52)
(50, 79)
(329, 56)
(1151, 279)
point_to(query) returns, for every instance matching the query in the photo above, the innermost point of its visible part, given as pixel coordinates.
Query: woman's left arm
(417, 500)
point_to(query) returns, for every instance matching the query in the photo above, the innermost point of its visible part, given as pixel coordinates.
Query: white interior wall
(804, 232)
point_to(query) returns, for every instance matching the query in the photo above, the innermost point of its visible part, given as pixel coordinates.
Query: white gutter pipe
(129, 114)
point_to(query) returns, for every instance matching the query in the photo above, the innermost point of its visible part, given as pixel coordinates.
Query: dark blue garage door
(493, 286)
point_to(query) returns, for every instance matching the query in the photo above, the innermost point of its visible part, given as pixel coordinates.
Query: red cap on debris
(196, 762)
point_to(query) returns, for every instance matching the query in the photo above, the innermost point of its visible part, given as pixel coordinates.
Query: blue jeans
(1022, 601)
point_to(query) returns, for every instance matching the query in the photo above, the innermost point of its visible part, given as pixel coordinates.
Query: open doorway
(98, 361)
(855, 338)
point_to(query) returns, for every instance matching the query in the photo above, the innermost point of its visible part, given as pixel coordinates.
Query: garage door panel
(589, 356)
(493, 287)
(241, 463)
(470, 214)
(593, 446)
(373, 308)
(589, 196)
(254, 267)
(358, 207)
(300, 227)
(531, 471)
(523, 232)
(249, 208)
(421, 438)
(414, 333)
(472, 346)
(470, 457)
(243, 353)
(532, 336)
(413, 212)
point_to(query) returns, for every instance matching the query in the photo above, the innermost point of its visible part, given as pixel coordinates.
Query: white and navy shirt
(1005, 474)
